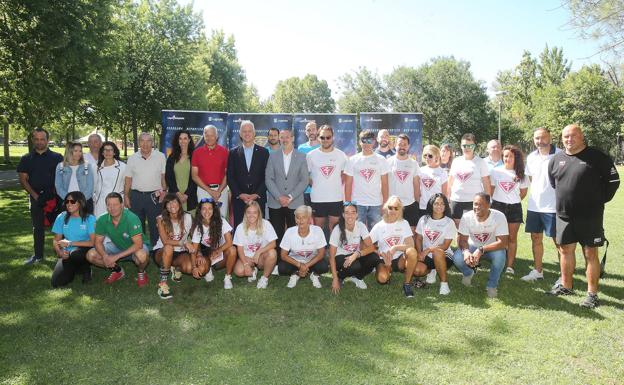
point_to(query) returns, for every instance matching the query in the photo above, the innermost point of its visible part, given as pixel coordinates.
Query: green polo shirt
(129, 225)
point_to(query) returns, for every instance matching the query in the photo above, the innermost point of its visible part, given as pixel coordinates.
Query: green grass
(16, 152)
(120, 334)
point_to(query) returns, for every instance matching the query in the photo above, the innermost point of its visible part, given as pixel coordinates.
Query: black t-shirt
(40, 169)
(583, 182)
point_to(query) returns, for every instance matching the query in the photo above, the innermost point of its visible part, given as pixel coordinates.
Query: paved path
(8, 178)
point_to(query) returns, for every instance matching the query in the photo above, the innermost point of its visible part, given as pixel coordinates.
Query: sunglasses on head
(71, 201)
(367, 140)
(349, 203)
(211, 200)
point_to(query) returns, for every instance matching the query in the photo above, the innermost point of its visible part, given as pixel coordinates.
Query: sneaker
(164, 291)
(115, 276)
(407, 290)
(444, 288)
(560, 290)
(533, 275)
(418, 284)
(263, 282)
(33, 260)
(467, 279)
(142, 279)
(315, 281)
(359, 283)
(275, 271)
(492, 292)
(176, 275)
(509, 270)
(591, 301)
(209, 277)
(227, 282)
(292, 282)
(253, 275)
(557, 283)
(431, 277)
(87, 276)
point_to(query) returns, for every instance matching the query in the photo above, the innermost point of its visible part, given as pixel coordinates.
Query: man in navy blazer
(246, 172)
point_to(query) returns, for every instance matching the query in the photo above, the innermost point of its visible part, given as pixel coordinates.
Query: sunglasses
(211, 200)
(367, 140)
(393, 208)
(70, 201)
(429, 156)
(349, 203)
(469, 146)
(325, 137)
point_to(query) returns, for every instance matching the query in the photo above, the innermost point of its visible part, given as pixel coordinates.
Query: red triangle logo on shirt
(391, 241)
(482, 237)
(304, 253)
(327, 171)
(367, 173)
(253, 247)
(463, 176)
(432, 235)
(507, 186)
(401, 175)
(428, 182)
(351, 247)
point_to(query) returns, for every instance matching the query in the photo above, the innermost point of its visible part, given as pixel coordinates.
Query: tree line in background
(115, 64)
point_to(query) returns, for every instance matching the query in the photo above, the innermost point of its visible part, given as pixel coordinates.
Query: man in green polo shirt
(125, 232)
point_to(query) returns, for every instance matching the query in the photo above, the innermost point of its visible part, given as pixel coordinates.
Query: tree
(600, 20)
(552, 66)
(361, 92)
(309, 95)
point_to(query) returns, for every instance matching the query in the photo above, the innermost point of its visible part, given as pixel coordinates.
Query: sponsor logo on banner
(391, 241)
(401, 175)
(173, 117)
(507, 186)
(367, 173)
(432, 235)
(327, 171)
(428, 182)
(482, 237)
(464, 176)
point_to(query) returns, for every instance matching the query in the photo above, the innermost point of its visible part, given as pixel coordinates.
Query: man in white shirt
(494, 158)
(404, 180)
(95, 143)
(366, 182)
(384, 144)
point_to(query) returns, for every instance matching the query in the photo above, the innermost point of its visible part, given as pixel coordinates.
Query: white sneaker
(292, 282)
(209, 277)
(359, 283)
(275, 271)
(557, 283)
(227, 282)
(431, 277)
(444, 288)
(467, 280)
(509, 270)
(263, 282)
(533, 275)
(315, 281)
(253, 275)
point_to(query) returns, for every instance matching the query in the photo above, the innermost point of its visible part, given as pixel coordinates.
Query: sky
(277, 39)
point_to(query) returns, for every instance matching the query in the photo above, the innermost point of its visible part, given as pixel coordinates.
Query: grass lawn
(118, 334)
(16, 152)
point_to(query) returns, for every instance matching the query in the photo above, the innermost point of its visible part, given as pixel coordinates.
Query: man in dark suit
(245, 172)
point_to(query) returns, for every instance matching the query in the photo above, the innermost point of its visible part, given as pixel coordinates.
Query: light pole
(500, 104)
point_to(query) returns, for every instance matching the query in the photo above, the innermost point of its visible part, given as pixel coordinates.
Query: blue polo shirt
(40, 169)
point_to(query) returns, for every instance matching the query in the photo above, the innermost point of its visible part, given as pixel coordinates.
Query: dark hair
(518, 160)
(273, 129)
(404, 137)
(484, 196)
(541, 129)
(166, 216)
(469, 137)
(82, 205)
(343, 226)
(114, 195)
(115, 152)
(40, 129)
(326, 127)
(448, 148)
(215, 225)
(286, 129)
(367, 134)
(176, 150)
(447, 206)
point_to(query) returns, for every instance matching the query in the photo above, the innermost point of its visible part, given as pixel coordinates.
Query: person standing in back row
(313, 143)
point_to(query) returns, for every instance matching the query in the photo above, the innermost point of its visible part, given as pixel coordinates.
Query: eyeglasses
(367, 140)
(393, 208)
(70, 201)
(349, 203)
(429, 156)
(211, 200)
(325, 137)
(469, 146)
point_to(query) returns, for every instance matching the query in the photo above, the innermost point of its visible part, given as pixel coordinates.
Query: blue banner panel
(194, 122)
(262, 123)
(410, 124)
(344, 126)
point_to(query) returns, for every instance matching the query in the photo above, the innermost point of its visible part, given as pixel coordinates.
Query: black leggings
(359, 269)
(285, 268)
(66, 269)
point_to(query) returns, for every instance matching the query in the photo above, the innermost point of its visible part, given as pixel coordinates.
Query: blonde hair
(434, 150)
(395, 199)
(68, 153)
(259, 224)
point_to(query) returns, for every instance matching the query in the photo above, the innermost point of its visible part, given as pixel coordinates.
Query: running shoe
(533, 275)
(292, 282)
(360, 284)
(444, 288)
(115, 276)
(164, 291)
(431, 277)
(263, 282)
(176, 275)
(227, 282)
(467, 279)
(510, 270)
(492, 292)
(407, 290)
(591, 301)
(209, 277)
(315, 281)
(253, 275)
(33, 260)
(418, 284)
(557, 283)
(142, 279)
(560, 290)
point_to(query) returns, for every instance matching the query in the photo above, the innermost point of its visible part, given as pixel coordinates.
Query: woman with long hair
(211, 243)
(109, 178)
(510, 186)
(255, 241)
(171, 250)
(446, 156)
(74, 235)
(351, 251)
(74, 174)
(178, 170)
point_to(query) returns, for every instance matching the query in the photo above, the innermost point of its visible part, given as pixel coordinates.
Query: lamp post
(500, 104)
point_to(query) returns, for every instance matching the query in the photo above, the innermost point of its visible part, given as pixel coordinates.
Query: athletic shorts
(459, 208)
(541, 222)
(411, 214)
(395, 264)
(431, 265)
(512, 211)
(112, 248)
(326, 209)
(586, 231)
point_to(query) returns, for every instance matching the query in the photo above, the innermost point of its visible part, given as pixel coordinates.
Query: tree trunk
(5, 131)
(135, 138)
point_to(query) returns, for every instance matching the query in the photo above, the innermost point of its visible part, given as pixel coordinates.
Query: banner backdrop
(344, 125)
(409, 124)
(262, 123)
(194, 122)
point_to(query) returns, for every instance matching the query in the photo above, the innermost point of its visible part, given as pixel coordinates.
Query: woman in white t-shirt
(212, 243)
(171, 250)
(510, 185)
(255, 240)
(433, 178)
(303, 250)
(351, 251)
(434, 234)
(395, 245)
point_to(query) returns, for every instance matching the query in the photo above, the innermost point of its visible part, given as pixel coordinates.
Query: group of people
(378, 211)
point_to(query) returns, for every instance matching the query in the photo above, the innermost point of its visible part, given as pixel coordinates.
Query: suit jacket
(278, 183)
(243, 181)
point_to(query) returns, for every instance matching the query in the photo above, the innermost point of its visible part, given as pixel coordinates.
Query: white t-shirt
(252, 242)
(436, 231)
(483, 233)
(73, 180)
(467, 176)
(506, 188)
(401, 178)
(431, 181)
(177, 233)
(303, 249)
(326, 172)
(541, 194)
(353, 239)
(366, 172)
(205, 240)
(387, 235)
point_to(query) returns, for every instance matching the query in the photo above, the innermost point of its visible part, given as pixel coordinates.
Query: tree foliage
(308, 94)
(601, 20)
(362, 91)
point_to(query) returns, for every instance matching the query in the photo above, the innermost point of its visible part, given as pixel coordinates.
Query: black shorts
(395, 264)
(411, 214)
(512, 211)
(586, 231)
(458, 209)
(326, 209)
(431, 265)
(176, 254)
